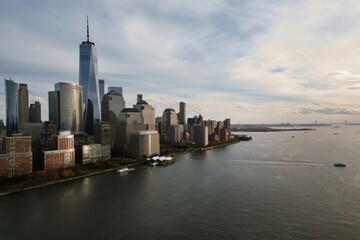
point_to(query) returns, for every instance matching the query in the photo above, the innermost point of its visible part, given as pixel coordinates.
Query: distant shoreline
(266, 129)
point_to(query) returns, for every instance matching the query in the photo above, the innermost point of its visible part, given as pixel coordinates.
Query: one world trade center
(88, 79)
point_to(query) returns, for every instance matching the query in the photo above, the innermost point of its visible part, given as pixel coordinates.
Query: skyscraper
(88, 79)
(65, 107)
(118, 89)
(182, 114)
(23, 103)
(111, 106)
(11, 95)
(35, 112)
(101, 88)
(147, 113)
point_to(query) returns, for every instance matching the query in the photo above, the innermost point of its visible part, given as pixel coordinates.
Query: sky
(252, 61)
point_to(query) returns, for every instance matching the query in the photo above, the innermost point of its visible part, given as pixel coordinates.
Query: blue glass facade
(88, 79)
(12, 96)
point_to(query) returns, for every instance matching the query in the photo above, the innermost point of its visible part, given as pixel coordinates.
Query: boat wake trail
(278, 162)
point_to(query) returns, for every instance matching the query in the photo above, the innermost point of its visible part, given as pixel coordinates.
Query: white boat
(160, 160)
(125, 169)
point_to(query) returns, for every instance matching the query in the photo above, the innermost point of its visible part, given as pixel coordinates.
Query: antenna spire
(87, 27)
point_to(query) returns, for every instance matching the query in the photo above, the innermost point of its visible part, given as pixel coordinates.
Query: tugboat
(339, 165)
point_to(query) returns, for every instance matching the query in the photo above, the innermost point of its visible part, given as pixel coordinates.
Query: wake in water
(278, 162)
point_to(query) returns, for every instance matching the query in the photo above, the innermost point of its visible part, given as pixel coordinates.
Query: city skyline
(287, 60)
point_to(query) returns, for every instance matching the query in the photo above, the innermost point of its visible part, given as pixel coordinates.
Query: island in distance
(274, 127)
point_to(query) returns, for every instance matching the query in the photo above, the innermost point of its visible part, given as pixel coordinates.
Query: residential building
(17, 159)
(62, 154)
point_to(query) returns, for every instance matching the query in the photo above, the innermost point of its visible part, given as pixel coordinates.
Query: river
(281, 185)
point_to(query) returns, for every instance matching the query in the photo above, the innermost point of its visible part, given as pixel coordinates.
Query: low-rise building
(61, 153)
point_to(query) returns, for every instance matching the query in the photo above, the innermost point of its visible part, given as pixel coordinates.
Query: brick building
(63, 154)
(17, 159)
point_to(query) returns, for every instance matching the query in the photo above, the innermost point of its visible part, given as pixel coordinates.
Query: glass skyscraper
(65, 107)
(88, 79)
(11, 96)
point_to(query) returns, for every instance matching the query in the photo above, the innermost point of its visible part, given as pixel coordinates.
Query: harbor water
(281, 185)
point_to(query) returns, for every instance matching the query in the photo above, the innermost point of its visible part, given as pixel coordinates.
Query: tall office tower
(129, 121)
(88, 79)
(101, 88)
(227, 124)
(182, 114)
(66, 107)
(11, 96)
(147, 113)
(35, 112)
(111, 106)
(200, 134)
(169, 118)
(23, 104)
(118, 89)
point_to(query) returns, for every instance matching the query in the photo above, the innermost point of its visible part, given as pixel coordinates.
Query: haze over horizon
(251, 61)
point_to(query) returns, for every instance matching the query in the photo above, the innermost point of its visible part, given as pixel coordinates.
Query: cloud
(254, 61)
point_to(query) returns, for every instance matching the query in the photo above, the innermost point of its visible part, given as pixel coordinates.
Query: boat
(339, 165)
(160, 161)
(125, 169)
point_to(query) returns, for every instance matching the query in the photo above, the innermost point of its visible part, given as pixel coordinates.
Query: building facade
(35, 112)
(144, 143)
(17, 159)
(101, 88)
(200, 134)
(147, 113)
(118, 89)
(112, 104)
(11, 99)
(88, 79)
(23, 104)
(129, 121)
(66, 107)
(63, 154)
(169, 118)
(182, 113)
